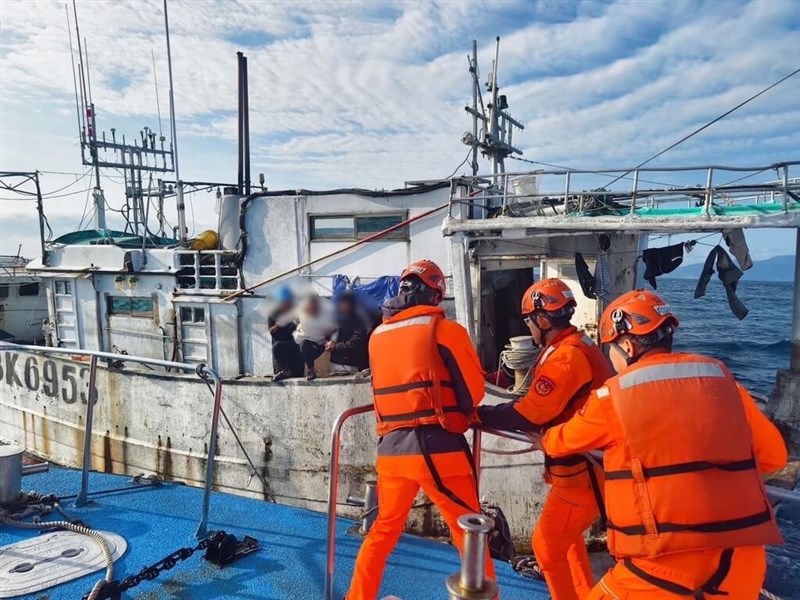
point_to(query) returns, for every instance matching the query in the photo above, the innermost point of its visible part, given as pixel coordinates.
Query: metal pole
(477, 434)
(709, 192)
(246, 126)
(202, 528)
(635, 189)
(785, 188)
(91, 398)
(475, 109)
(40, 210)
(179, 184)
(794, 364)
(471, 582)
(240, 157)
(333, 489)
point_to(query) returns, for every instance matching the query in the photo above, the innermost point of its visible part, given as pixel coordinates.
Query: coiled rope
(519, 359)
(37, 505)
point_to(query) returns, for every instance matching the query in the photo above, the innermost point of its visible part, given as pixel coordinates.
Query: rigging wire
(710, 123)
(463, 162)
(538, 162)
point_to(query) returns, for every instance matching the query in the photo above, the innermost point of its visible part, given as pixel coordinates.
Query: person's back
(426, 380)
(684, 449)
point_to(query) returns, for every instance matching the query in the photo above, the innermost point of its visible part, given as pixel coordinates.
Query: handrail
(202, 371)
(333, 489)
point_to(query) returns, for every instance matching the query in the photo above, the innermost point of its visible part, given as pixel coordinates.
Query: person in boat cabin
(286, 358)
(568, 367)
(349, 351)
(316, 325)
(426, 380)
(685, 449)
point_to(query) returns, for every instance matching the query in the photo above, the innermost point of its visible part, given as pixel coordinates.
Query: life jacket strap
(708, 527)
(405, 387)
(710, 587)
(687, 467)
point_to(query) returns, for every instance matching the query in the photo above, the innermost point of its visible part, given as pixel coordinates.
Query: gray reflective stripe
(543, 356)
(587, 340)
(423, 320)
(655, 373)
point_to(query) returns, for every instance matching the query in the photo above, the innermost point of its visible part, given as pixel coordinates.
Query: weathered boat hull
(158, 422)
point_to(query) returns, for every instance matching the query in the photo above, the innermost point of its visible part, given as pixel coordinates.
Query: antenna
(496, 142)
(179, 184)
(88, 76)
(74, 78)
(158, 104)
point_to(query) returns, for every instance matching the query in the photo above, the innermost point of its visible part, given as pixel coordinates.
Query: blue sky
(371, 94)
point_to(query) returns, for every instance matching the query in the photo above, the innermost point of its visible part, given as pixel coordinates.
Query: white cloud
(372, 94)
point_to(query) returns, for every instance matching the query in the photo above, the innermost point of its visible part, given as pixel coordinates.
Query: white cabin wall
(224, 338)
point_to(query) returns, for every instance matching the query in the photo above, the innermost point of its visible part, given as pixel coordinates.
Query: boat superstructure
(23, 308)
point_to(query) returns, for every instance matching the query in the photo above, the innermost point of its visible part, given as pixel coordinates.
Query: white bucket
(526, 185)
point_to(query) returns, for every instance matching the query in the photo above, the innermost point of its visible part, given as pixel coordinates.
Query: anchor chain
(115, 589)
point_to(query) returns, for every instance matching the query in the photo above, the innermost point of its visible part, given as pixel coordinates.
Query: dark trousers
(311, 351)
(286, 357)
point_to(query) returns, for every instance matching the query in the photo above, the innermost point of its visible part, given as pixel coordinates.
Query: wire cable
(709, 124)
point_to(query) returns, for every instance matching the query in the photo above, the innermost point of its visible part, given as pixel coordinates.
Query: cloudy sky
(371, 94)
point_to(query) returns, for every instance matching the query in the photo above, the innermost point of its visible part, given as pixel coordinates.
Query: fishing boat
(158, 357)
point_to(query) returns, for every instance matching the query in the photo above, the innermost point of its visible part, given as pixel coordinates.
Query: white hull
(146, 422)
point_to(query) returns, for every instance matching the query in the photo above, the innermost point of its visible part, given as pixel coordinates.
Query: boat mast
(498, 126)
(179, 184)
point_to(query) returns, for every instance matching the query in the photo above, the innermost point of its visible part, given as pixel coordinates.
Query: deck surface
(290, 563)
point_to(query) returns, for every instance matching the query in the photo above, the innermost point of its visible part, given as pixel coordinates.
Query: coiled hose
(9, 519)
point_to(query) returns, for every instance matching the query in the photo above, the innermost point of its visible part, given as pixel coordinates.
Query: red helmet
(640, 312)
(548, 295)
(428, 272)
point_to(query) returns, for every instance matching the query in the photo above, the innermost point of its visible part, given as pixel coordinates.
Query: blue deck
(289, 564)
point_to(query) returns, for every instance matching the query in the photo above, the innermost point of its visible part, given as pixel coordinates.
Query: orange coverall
(561, 381)
(596, 427)
(402, 470)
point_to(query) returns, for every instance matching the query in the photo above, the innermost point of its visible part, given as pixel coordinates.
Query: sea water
(753, 348)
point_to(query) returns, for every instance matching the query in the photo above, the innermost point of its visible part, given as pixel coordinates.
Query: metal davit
(202, 371)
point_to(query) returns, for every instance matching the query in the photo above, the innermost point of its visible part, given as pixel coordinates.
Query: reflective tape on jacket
(410, 380)
(685, 477)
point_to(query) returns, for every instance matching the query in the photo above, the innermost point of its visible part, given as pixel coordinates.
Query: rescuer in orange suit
(688, 516)
(426, 380)
(568, 367)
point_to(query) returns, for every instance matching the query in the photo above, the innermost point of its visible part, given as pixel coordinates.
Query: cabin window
(3, 291)
(130, 307)
(355, 227)
(29, 289)
(63, 288)
(191, 314)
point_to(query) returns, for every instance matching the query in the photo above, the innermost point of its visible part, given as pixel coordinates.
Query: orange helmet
(548, 295)
(428, 272)
(640, 313)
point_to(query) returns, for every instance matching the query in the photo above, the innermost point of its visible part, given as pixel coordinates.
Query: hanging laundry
(659, 261)
(585, 276)
(738, 247)
(689, 246)
(602, 277)
(728, 273)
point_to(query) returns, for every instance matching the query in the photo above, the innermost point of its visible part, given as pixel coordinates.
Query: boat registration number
(67, 381)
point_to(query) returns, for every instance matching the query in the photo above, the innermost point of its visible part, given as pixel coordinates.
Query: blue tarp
(371, 295)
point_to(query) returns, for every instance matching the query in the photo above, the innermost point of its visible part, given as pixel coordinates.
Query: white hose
(99, 539)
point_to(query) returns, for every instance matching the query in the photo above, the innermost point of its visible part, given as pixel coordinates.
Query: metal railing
(202, 371)
(497, 191)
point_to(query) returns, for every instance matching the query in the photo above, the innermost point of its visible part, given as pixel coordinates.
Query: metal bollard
(370, 505)
(471, 582)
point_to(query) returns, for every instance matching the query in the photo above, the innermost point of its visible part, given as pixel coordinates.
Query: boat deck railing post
(333, 491)
(91, 398)
(201, 370)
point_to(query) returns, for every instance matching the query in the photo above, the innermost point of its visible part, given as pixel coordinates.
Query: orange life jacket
(685, 477)
(571, 466)
(410, 380)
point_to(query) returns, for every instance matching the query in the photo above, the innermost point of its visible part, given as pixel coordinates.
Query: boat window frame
(401, 234)
(111, 311)
(23, 287)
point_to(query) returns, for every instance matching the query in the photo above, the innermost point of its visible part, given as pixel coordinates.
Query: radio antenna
(179, 184)
(155, 84)
(74, 77)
